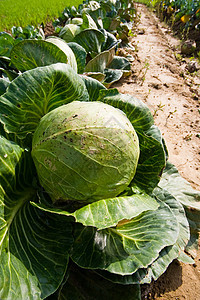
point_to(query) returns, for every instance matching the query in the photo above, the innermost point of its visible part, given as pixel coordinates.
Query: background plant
(30, 12)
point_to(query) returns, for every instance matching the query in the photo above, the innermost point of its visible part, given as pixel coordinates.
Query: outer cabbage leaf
(36, 92)
(167, 255)
(194, 220)
(29, 54)
(33, 245)
(145, 275)
(100, 62)
(9, 136)
(10, 74)
(91, 40)
(135, 278)
(93, 87)
(110, 41)
(185, 258)
(152, 150)
(76, 20)
(4, 62)
(188, 197)
(6, 43)
(152, 160)
(86, 284)
(111, 23)
(112, 76)
(63, 46)
(120, 63)
(88, 22)
(179, 212)
(137, 112)
(3, 85)
(97, 13)
(96, 75)
(180, 188)
(6, 69)
(108, 212)
(69, 31)
(131, 245)
(80, 55)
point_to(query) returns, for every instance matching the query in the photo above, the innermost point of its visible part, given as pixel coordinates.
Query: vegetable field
(181, 13)
(30, 12)
(91, 207)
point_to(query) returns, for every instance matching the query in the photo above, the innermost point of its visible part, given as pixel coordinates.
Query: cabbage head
(85, 151)
(76, 21)
(69, 31)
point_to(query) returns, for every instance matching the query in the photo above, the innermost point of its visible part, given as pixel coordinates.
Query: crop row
(31, 12)
(185, 11)
(93, 32)
(90, 206)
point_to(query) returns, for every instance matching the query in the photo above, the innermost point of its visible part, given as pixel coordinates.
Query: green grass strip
(31, 12)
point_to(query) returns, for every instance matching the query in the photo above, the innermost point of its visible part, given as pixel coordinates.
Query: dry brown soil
(162, 81)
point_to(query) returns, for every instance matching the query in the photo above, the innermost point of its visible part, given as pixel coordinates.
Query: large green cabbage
(81, 128)
(85, 151)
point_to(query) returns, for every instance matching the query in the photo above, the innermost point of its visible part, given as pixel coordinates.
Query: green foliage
(28, 32)
(81, 216)
(6, 44)
(94, 47)
(84, 283)
(128, 237)
(26, 54)
(32, 12)
(147, 2)
(99, 27)
(188, 12)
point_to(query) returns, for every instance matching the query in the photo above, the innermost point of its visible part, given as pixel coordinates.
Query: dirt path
(157, 80)
(173, 96)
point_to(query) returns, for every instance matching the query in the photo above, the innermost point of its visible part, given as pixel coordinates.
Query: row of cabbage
(93, 31)
(186, 12)
(90, 207)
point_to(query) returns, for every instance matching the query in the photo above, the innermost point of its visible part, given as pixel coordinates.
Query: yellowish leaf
(198, 10)
(185, 18)
(170, 9)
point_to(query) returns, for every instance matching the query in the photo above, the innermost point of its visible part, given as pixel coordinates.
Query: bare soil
(173, 96)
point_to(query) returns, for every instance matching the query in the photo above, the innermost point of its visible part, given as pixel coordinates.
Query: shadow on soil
(169, 281)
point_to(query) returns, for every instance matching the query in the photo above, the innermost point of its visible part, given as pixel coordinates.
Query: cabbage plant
(90, 207)
(105, 66)
(93, 144)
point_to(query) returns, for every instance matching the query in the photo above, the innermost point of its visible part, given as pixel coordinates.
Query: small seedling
(145, 68)
(188, 137)
(169, 115)
(149, 91)
(178, 56)
(159, 107)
